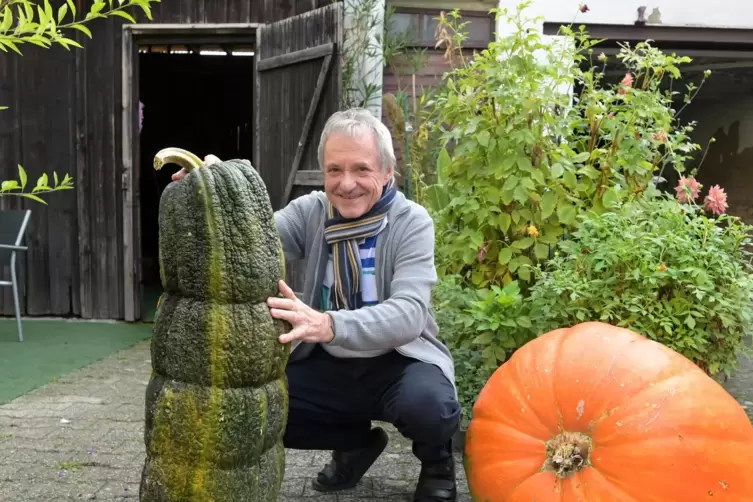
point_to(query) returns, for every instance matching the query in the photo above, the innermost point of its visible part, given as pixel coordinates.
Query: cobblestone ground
(81, 438)
(740, 385)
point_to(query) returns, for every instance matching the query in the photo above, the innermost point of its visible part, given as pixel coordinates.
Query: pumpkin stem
(567, 453)
(179, 156)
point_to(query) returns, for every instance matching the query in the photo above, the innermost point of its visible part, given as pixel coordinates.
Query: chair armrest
(13, 247)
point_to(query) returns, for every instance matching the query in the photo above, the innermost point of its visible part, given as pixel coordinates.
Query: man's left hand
(308, 324)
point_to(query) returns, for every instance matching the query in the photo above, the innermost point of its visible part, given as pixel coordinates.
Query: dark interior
(201, 103)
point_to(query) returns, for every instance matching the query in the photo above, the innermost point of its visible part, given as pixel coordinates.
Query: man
(364, 340)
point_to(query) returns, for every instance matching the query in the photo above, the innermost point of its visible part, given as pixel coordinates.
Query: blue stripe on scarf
(343, 235)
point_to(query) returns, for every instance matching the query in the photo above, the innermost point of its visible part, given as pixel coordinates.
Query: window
(419, 26)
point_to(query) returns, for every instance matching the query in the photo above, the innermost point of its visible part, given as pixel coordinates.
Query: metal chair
(12, 231)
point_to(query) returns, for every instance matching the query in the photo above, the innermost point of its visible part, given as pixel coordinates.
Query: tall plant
(25, 22)
(535, 135)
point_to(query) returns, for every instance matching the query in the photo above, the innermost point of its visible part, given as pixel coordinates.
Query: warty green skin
(246, 236)
(250, 422)
(253, 355)
(257, 483)
(216, 404)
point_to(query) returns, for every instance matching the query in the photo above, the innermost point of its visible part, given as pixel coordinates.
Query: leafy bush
(658, 267)
(523, 157)
(480, 328)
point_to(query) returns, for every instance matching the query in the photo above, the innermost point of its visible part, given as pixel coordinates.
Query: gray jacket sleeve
(402, 317)
(291, 224)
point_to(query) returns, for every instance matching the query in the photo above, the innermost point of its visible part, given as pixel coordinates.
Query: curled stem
(179, 156)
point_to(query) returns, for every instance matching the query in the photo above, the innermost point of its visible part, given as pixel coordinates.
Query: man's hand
(308, 324)
(209, 159)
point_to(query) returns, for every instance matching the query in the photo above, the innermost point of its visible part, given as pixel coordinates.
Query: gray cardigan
(405, 277)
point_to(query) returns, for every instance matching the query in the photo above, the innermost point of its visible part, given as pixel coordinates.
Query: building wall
(686, 13)
(729, 161)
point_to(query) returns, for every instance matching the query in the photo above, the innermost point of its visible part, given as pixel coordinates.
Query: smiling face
(353, 176)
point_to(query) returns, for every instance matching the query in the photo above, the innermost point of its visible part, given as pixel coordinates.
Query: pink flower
(584, 8)
(481, 252)
(687, 190)
(627, 81)
(660, 136)
(716, 200)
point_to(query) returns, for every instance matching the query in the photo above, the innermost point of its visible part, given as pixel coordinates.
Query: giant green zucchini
(216, 404)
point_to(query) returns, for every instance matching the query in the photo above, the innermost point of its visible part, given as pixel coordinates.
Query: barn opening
(197, 97)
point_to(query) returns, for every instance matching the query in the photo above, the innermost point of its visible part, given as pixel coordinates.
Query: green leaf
(33, 197)
(581, 157)
(22, 176)
(520, 194)
(557, 170)
(437, 197)
(483, 138)
(566, 213)
(443, 164)
(9, 185)
(528, 183)
(548, 202)
(510, 183)
(524, 321)
(610, 198)
(62, 11)
(123, 14)
(504, 255)
(523, 243)
(504, 221)
(570, 180)
(507, 196)
(82, 28)
(690, 322)
(538, 177)
(524, 163)
(7, 20)
(541, 251)
(524, 273)
(483, 339)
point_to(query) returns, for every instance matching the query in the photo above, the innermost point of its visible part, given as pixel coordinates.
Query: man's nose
(348, 181)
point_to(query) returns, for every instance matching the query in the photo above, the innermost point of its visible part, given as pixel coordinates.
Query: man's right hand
(209, 159)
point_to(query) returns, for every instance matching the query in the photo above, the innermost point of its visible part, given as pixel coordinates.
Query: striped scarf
(343, 235)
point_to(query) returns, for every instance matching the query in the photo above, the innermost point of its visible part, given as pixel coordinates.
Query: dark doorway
(197, 98)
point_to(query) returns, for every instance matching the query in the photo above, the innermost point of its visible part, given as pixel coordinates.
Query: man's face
(353, 178)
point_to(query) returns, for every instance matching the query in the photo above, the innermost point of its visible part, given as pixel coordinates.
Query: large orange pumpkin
(596, 413)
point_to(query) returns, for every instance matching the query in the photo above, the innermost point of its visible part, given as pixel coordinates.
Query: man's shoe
(347, 468)
(436, 483)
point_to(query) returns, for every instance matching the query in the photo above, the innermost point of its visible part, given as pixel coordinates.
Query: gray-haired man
(364, 340)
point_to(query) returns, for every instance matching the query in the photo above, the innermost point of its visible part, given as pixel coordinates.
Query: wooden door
(298, 86)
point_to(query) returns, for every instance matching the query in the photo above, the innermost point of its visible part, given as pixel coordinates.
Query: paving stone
(97, 452)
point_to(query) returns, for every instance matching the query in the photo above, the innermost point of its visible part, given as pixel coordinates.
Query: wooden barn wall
(65, 116)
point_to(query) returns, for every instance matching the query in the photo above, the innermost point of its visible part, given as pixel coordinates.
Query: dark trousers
(333, 401)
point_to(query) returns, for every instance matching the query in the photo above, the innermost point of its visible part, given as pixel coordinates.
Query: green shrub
(658, 267)
(480, 327)
(524, 156)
